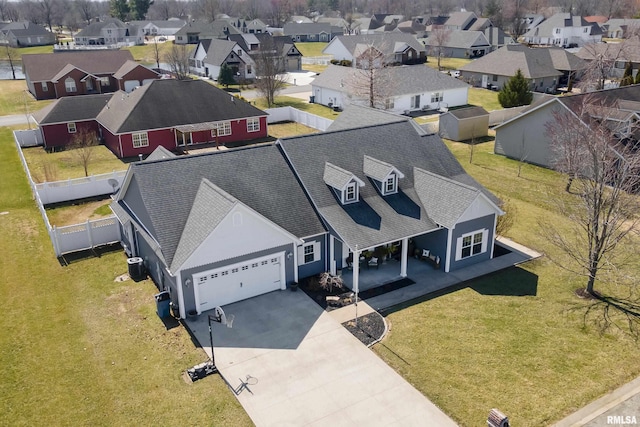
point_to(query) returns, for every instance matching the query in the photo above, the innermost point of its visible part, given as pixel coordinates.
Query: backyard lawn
(14, 95)
(447, 63)
(309, 49)
(282, 130)
(47, 167)
(514, 340)
(78, 347)
(488, 99)
(285, 101)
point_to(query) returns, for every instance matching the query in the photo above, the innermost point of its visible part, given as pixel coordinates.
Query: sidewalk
(611, 409)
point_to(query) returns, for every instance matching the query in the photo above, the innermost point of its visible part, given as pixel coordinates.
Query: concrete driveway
(302, 368)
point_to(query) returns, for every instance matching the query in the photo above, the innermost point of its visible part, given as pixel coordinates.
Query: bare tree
(601, 62)
(270, 70)
(47, 11)
(7, 11)
(604, 166)
(370, 81)
(11, 55)
(523, 155)
(82, 146)
(206, 9)
(280, 12)
(514, 11)
(86, 10)
(156, 50)
(438, 39)
(178, 60)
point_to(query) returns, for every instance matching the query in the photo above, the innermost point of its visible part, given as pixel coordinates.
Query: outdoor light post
(213, 359)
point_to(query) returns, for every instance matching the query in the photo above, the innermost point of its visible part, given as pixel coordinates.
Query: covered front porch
(370, 277)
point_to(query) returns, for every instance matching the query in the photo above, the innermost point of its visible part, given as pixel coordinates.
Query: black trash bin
(163, 303)
(136, 268)
(312, 99)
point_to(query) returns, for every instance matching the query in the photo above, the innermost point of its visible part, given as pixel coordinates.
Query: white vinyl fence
(290, 114)
(79, 188)
(75, 237)
(317, 60)
(497, 117)
(28, 138)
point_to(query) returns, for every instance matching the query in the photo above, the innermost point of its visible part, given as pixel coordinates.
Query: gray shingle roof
(44, 66)
(358, 116)
(72, 109)
(210, 206)
(160, 153)
(208, 30)
(127, 67)
(259, 177)
(444, 199)
(533, 62)
(377, 169)
(457, 19)
(461, 39)
(406, 79)
(95, 28)
(167, 103)
(385, 42)
(374, 219)
(465, 113)
(335, 176)
(304, 28)
(559, 20)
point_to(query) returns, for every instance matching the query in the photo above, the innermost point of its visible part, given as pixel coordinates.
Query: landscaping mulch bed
(369, 330)
(387, 287)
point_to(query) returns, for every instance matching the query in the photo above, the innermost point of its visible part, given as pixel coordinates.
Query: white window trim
(437, 96)
(253, 125)
(70, 85)
(393, 179)
(354, 186)
(71, 127)
(224, 129)
(44, 86)
(315, 252)
(485, 237)
(142, 140)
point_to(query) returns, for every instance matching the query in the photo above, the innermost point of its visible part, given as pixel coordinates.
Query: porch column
(332, 261)
(356, 270)
(447, 262)
(403, 259)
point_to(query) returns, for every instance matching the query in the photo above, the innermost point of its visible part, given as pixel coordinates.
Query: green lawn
(25, 50)
(311, 48)
(77, 347)
(447, 63)
(284, 101)
(13, 95)
(488, 99)
(486, 347)
(282, 130)
(146, 54)
(65, 165)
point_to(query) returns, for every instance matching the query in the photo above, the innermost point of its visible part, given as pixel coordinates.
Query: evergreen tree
(225, 77)
(516, 92)
(139, 8)
(627, 78)
(119, 9)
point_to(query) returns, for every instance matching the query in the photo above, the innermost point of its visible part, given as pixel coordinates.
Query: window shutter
(300, 255)
(458, 248)
(485, 238)
(316, 251)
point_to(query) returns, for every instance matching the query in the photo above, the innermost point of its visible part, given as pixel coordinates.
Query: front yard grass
(514, 340)
(77, 347)
(47, 167)
(13, 95)
(146, 53)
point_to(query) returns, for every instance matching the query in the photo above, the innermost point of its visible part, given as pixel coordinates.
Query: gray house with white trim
(212, 236)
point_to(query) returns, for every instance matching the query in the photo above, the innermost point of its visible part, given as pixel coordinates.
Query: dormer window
(344, 184)
(351, 193)
(391, 185)
(384, 175)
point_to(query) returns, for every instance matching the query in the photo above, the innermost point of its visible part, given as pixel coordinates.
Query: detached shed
(464, 124)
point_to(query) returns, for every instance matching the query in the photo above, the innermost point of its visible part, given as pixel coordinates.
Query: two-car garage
(236, 282)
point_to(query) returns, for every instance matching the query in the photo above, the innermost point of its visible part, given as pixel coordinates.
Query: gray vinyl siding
(468, 227)
(317, 266)
(188, 291)
(532, 130)
(338, 254)
(436, 242)
(156, 269)
(463, 129)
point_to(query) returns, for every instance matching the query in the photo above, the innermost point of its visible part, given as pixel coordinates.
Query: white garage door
(239, 281)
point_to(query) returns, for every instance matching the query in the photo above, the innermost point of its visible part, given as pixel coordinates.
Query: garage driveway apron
(310, 371)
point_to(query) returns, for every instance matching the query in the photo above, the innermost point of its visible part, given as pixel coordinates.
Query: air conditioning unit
(497, 419)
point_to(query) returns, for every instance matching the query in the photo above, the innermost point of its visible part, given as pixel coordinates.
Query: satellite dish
(223, 318)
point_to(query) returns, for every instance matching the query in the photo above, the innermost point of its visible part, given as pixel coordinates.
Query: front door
(485, 80)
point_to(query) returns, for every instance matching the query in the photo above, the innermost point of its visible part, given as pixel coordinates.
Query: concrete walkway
(292, 364)
(611, 409)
